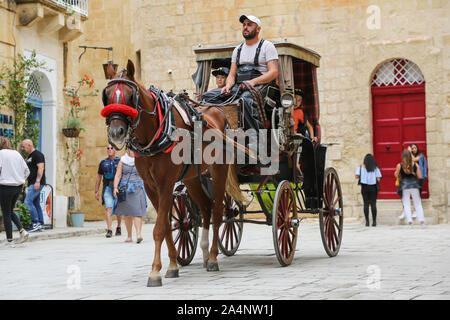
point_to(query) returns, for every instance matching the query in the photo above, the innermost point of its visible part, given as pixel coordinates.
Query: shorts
(108, 198)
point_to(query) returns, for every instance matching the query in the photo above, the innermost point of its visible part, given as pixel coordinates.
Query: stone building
(46, 27)
(383, 76)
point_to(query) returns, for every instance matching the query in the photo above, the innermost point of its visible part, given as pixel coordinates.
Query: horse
(136, 108)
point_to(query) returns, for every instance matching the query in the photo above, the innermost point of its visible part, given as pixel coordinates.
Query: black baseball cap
(223, 70)
(299, 92)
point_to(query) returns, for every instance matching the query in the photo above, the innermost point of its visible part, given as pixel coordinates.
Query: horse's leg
(151, 194)
(172, 272)
(159, 233)
(204, 203)
(219, 174)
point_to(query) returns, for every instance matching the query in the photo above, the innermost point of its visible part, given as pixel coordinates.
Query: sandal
(128, 240)
(139, 240)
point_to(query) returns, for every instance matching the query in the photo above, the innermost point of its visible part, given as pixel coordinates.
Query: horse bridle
(132, 126)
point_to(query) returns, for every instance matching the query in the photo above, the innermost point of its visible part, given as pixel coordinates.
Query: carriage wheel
(285, 223)
(184, 229)
(331, 217)
(230, 232)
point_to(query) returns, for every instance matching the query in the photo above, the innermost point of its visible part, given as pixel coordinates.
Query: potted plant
(24, 215)
(74, 123)
(74, 153)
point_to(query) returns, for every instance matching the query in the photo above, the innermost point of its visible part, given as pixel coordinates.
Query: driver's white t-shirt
(268, 52)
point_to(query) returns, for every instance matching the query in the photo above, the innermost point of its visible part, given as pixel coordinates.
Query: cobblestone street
(386, 262)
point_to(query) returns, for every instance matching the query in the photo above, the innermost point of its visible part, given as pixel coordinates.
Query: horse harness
(162, 140)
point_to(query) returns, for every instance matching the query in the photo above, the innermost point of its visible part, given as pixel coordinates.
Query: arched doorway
(399, 118)
(42, 93)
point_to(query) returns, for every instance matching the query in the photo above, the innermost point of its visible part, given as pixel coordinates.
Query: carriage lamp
(287, 99)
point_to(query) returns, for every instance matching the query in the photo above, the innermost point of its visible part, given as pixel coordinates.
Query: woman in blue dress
(135, 204)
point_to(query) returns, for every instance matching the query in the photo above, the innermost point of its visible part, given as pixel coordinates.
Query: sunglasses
(108, 148)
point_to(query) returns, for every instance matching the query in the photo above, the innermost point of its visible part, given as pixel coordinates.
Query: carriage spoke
(336, 201)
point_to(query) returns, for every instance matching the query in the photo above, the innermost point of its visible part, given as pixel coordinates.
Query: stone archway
(46, 81)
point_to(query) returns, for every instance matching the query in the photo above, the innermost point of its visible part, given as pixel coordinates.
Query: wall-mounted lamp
(109, 61)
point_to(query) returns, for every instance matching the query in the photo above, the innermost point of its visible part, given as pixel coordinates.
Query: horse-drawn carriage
(289, 194)
(148, 122)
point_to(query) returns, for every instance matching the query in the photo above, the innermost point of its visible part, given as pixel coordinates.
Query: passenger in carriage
(254, 61)
(221, 75)
(302, 125)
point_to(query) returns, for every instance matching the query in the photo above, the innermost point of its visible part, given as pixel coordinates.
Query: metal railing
(79, 6)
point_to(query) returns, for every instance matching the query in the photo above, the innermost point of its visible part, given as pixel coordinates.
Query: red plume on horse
(135, 116)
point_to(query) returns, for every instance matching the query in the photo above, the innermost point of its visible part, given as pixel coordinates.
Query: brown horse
(159, 173)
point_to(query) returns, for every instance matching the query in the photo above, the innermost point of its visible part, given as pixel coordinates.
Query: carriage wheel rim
(230, 233)
(284, 234)
(186, 236)
(331, 230)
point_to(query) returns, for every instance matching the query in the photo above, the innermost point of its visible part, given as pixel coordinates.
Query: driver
(256, 61)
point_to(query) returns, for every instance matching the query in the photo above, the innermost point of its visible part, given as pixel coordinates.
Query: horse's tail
(232, 185)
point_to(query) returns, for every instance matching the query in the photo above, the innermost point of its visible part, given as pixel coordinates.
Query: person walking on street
(409, 173)
(133, 207)
(36, 181)
(369, 176)
(420, 159)
(107, 169)
(13, 174)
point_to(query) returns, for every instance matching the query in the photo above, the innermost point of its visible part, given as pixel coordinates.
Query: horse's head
(121, 102)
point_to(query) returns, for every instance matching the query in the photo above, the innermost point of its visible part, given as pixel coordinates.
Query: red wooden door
(398, 114)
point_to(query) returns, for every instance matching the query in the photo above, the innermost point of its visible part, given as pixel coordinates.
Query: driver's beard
(250, 36)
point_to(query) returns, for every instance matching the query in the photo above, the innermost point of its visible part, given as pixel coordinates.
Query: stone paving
(385, 262)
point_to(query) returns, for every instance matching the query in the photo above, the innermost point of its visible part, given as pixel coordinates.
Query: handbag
(122, 193)
(122, 190)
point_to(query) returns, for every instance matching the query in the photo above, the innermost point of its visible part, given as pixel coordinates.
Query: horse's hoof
(212, 266)
(154, 281)
(172, 273)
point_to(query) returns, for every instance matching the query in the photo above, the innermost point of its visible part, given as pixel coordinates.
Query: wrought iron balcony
(79, 6)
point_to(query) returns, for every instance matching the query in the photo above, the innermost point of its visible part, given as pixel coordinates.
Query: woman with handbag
(130, 193)
(369, 176)
(409, 173)
(420, 159)
(13, 174)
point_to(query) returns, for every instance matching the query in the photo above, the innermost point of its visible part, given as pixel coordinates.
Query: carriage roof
(283, 49)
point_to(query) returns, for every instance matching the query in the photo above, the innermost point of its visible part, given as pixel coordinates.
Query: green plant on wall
(14, 94)
(24, 215)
